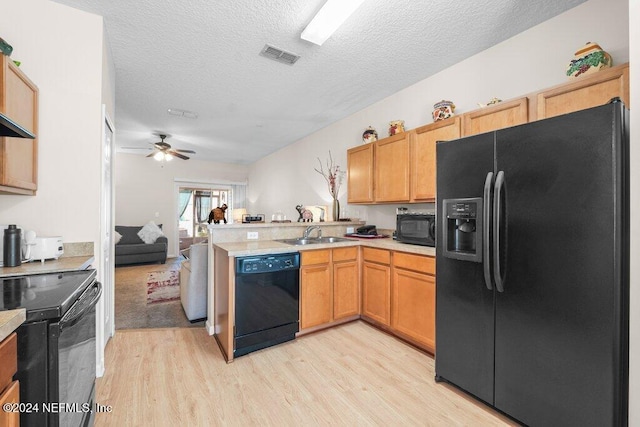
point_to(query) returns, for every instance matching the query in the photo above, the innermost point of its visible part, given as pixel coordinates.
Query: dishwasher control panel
(266, 263)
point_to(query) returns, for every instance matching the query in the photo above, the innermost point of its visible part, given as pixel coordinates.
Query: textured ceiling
(202, 56)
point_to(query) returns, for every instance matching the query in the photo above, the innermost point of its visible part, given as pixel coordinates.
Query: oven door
(72, 360)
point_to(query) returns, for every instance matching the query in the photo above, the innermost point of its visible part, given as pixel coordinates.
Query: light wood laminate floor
(349, 375)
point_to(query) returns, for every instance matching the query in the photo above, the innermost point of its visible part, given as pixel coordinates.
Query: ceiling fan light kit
(328, 20)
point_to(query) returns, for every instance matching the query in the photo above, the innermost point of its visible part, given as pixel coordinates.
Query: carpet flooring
(131, 308)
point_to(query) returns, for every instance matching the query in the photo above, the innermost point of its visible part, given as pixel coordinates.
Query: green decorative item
(17, 63)
(5, 47)
(591, 58)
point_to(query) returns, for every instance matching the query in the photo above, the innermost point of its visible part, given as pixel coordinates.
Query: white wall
(634, 351)
(61, 51)
(143, 188)
(532, 60)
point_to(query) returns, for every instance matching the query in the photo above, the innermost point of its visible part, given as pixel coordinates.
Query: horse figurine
(217, 214)
(305, 214)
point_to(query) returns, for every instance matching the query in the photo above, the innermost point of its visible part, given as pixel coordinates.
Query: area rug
(163, 286)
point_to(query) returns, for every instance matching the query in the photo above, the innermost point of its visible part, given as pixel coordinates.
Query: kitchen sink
(310, 241)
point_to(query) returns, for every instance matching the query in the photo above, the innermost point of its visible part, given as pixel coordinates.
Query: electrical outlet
(350, 230)
(252, 235)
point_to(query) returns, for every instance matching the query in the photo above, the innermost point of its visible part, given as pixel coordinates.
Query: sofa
(193, 282)
(130, 249)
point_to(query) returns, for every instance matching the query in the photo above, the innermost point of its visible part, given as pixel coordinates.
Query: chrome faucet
(309, 229)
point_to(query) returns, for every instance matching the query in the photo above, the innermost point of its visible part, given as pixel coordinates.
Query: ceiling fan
(164, 151)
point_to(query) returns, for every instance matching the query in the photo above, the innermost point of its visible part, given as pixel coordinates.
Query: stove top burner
(44, 296)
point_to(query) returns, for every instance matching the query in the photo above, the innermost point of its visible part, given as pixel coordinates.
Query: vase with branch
(334, 176)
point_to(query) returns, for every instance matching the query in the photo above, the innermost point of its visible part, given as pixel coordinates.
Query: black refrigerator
(532, 291)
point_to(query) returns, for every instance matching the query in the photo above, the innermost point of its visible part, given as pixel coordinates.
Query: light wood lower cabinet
(9, 389)
(376, 285)
(329, 286)
(414, 298)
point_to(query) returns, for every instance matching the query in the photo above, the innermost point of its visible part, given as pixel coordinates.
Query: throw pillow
(116, 237)
(150, 232)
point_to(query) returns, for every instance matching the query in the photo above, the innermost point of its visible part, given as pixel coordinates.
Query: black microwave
(416, 228)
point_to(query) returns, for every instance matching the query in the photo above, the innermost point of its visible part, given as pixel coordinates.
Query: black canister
(12, 256)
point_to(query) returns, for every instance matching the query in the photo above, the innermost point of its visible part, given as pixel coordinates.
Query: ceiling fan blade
(162, 145)
(136, 148)
(178, 155)
(152, 154)
(185, 151)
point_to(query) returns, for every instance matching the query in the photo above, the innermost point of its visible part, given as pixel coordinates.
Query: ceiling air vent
(279, 55)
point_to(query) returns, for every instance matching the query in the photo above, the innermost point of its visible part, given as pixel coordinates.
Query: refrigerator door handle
(486, 235)
(497, 221)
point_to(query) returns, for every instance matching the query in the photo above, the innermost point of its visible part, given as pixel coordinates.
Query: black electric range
(56, 345)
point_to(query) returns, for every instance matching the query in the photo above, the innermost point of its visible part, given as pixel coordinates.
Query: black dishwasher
(267, 293)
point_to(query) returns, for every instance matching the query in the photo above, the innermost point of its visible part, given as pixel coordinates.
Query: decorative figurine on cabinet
(589, 59)
(396, 127)
(369, 135)
(217, 214)
(443, 110)
(305, 214)
(492, 102)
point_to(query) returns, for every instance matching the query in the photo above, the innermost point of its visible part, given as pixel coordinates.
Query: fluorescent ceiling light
(329, 19)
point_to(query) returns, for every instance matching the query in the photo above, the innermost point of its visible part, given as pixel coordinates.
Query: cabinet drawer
(376, 255)
(8, 360)
(314, 257)
(421, 263)
(345, 254)
(10, 395)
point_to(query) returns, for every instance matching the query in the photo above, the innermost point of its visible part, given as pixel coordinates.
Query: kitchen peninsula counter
(268, 247)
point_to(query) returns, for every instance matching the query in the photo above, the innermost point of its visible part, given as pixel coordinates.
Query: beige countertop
(62, 264)
(268, 247)
(10, 320)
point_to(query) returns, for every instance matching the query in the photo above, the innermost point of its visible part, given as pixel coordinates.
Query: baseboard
(210, 328)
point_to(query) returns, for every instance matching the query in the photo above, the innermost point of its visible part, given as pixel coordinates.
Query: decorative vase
(336, 209)
(443, 110)
(396, 127)
(589, 59)
(369, 135)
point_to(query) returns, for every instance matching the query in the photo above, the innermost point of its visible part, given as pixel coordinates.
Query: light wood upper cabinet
(414, 298)
(360, 174)
(18, 156)
(391, 168)
(423, 156)
(498, 116)
(585, 92)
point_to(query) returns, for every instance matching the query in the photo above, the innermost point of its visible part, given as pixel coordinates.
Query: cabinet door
(10, 395)
(376, 292)
(498, 116)
(316, 301)
(360, 174)
(19, 156)
(414, 306)
(391, 162)
(585, 92)
(346, 289)
(423, 156)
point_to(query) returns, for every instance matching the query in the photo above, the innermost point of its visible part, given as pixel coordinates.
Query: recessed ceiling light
(182, 113)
